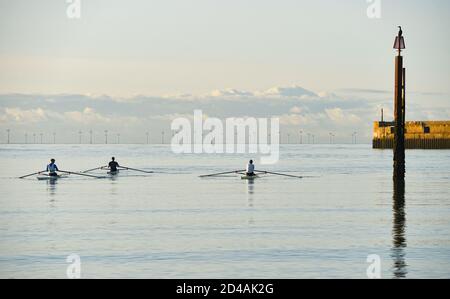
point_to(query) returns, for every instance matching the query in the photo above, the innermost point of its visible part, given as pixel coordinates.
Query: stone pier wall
(419, 135)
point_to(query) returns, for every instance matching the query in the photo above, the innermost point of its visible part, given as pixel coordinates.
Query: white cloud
(296, 110)
(24, 116)
(87, 116)
(327, 94)
(300, 120)
(295, 107)
(292, 91)
(170, 117)
(231, 93)
(338, 115)
(178, 96)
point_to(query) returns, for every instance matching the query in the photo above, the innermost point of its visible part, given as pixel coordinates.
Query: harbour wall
(418, 135)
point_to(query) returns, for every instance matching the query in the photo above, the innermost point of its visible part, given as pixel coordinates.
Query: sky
(319, 65)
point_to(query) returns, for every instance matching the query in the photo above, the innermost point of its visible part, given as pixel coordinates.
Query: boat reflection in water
(251, 199)
(250, 192)
(51, 187)
(51, 190)
(399, 244)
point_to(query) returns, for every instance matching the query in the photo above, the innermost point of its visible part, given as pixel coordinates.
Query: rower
(52, 168)
(113, 165)
(250, 170)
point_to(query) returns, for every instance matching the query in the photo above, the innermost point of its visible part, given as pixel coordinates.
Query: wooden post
(399, 135)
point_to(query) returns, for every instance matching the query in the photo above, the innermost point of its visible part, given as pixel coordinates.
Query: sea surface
(173, 224)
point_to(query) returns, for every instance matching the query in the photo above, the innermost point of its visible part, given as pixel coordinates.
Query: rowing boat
(118, 169)
(51, 178)
(250, 177)
(43, 175)
(244, 176)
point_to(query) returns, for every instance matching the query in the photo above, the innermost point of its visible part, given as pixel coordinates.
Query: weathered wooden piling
(399, 109)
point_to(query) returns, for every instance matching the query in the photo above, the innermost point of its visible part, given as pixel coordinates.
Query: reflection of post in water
(399, 230)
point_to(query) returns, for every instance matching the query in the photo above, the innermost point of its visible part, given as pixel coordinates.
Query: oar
(28, 175)
(94, 169)
(81, 174)
(281, 174)
(134, 169)
(222, 173)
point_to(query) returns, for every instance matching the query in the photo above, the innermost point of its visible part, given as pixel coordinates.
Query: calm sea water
(172, 224)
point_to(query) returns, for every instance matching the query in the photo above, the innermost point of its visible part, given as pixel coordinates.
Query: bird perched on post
(399, 43)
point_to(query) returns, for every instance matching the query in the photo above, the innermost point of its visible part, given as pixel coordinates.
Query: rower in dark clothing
(113, 165)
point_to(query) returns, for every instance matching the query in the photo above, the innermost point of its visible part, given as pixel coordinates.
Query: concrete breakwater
(418, 135)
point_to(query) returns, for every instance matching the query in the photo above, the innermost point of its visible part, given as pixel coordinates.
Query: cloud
(278, 91)
(231, 93)
(390, 92)
(327, 94)
(24, 116)
(361, 90)
(173, 116)
(292, 91)
(337, 115)
(87, 116)
(179, 96)
(296, 107)
(296, 110)
(301, 120)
